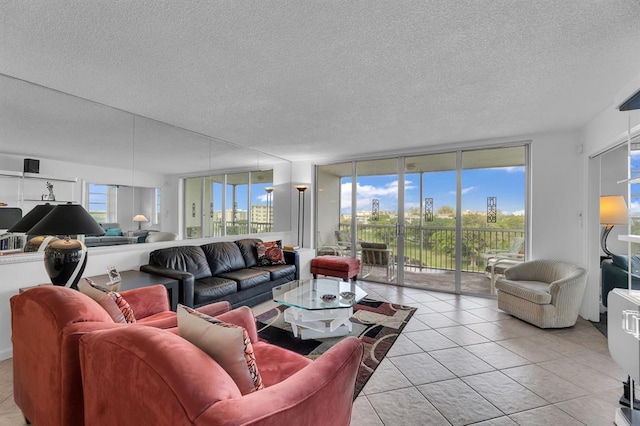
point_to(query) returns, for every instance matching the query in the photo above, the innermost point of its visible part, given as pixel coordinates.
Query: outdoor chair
(343, 238)
(328, 249)
(515, 251)
(377, 255)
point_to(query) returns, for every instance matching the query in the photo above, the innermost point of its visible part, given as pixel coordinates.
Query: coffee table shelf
(312, 317)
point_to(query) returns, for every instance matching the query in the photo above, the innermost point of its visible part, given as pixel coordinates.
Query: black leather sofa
(615, 274)
(221, 271)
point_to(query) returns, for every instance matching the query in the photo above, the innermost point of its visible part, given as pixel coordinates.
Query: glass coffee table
(319, 307)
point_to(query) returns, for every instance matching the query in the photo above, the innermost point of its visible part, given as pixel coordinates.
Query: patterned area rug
(377, 324)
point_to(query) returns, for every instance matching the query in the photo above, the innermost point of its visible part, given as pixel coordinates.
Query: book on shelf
(290, 248)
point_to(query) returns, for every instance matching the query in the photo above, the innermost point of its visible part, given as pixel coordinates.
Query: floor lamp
(301, 189)
(269, 195)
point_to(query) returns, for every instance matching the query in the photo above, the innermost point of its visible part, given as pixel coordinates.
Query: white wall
(556, 226)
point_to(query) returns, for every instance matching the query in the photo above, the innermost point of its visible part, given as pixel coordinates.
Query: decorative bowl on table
(328, 297)
(347, 295)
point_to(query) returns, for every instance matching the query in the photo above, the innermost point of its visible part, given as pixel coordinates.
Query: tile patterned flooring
(462, 361)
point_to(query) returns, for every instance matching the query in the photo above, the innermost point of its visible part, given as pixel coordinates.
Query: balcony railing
(434, 246)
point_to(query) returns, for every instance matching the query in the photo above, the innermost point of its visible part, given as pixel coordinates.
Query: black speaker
(31, 165)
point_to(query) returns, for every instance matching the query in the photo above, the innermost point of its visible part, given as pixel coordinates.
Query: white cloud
(510, 169)
(262, 198)
(464, 190)
(634, 207)
(387, 194)
(467, 190)
(518, 213)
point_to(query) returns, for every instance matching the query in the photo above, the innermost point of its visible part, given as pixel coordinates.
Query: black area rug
(378, 324)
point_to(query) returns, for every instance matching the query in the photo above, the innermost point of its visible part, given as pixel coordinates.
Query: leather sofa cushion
(247, 278)
(183, 258)
(278, 271)
(248, 249)
(223, 257)
(212, 288)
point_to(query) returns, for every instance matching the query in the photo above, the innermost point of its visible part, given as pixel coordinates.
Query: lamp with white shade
(140, 218)
(613, 211)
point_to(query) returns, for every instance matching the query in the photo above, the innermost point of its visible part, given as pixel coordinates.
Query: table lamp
(613, 211)
(66, 259)
(140, 218)
(28, 221)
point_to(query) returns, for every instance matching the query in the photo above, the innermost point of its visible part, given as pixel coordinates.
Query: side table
(136, 279)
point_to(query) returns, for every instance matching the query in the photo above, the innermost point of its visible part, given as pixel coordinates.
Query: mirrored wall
(77, 142)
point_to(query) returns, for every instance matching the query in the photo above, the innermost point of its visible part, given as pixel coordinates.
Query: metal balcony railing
(434, 246)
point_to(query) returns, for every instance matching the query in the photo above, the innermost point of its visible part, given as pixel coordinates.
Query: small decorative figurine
(51, 196)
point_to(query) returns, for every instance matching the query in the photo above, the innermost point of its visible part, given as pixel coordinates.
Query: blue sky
(505, 183)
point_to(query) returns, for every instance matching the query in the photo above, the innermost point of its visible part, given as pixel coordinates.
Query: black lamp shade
(66, 259)
(67, 219)
(30, 219)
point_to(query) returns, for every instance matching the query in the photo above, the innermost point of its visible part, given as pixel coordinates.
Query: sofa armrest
(242, 316)
(615, 277)
(185, 280)
(146, 301)
(293, 258)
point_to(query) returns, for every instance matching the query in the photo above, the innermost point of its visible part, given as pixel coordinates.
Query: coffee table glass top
(308, 294)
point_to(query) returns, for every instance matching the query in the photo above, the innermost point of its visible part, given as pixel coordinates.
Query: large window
(102, 202)
(228, 204)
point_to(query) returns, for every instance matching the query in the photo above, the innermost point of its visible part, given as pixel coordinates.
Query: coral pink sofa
(47, 323)
(139, 375)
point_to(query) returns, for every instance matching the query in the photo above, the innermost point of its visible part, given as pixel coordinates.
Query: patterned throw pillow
(228, 344)
(111, 301)
(270, 253)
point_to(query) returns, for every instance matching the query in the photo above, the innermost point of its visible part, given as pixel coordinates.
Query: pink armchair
(175, 383)
(47, 323)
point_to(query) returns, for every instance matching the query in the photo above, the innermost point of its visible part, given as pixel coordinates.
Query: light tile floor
(462, 361)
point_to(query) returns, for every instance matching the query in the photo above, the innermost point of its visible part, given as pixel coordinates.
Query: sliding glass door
(428, 221)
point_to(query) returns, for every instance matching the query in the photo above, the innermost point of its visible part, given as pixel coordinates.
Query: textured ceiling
(329, 79)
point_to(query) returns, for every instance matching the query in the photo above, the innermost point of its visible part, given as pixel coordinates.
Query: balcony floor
(438, 279)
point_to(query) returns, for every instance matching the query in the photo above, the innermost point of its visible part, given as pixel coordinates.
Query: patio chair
(515, 251)
(377, 255)
(343, 239)
(328, 249)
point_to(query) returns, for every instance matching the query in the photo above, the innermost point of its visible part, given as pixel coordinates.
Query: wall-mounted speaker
(31, 165)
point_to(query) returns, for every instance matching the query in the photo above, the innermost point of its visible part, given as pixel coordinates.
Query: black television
(9, 216)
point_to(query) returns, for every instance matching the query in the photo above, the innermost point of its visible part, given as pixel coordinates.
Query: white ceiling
(313, 80)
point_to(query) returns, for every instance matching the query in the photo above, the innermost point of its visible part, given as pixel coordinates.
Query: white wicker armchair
(546, 293)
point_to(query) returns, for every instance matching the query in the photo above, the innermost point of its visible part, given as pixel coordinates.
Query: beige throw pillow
(228, 344)
(115, 305)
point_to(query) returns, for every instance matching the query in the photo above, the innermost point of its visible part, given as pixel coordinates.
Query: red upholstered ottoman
(336, 266)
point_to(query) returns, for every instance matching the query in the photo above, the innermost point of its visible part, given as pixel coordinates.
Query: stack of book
(290, 248)
(10, 242)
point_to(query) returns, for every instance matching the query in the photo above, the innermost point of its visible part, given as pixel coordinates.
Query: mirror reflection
(120, 166)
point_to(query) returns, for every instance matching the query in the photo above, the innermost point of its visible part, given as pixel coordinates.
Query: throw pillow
(115, 305)
(270, 253)
(113, 232)
(228, 344)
